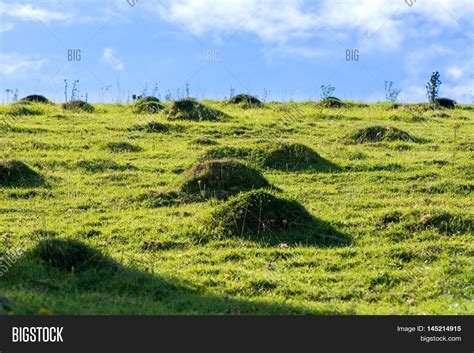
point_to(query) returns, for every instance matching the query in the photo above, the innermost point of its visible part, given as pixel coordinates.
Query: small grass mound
(379, 134)
(330, 102)
(20, 109)
(226, 152)
(35, 98)
(190, 109)
(16, 173)
(71, 256)
(151, 126)
(293, 156)
(148, 105)
(78, 106)
(444, 222)
(123, 146)
(256, 213)
(246, 101)
(221, 178)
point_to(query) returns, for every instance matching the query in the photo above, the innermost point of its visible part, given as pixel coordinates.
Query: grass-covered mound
(35, 98)
(70, 255)
(442, 221)
(16, 173)
(190, 109)
(151, 126)
(23, 109)
(258, 214)
(122, 146)
(292, 156)
(221, 178)
(330, 102)
(78, 106)
(148, 105)
(445, 103)
(380, 133)
(246, 101)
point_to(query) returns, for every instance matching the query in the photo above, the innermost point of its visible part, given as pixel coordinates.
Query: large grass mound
(70, 255)
(190, 109)
(257, 214)
(445, 103)
(148, 105)
(78, 106)
(293, 156)
(16, 173)
(221, 178)
(35, 98)
(246, 101)
(379, 134)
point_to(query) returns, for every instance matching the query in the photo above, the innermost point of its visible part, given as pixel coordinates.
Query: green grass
(403, 208)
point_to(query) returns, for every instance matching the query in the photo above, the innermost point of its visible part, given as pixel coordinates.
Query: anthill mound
(293, 156)
(78, 106)
(257, 214)
(35, 98)
(190, 109)
(16, 173)
(246, 101)
(148, 105)
(70, 255)
(379, 134)
(221, 178)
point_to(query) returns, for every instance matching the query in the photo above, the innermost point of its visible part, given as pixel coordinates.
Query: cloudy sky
(275, 49)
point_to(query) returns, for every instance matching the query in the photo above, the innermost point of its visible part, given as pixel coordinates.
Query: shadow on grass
(64, 275)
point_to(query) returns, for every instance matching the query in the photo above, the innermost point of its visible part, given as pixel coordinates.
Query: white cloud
(13, 64)
(110, 57)
(382, 24)
(27, 12)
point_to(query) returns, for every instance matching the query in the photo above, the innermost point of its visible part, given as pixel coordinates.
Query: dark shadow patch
(14, 173)
(43, 233)
(55, 268)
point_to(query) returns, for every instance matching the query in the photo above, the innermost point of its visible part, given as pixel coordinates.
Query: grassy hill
(367, 209)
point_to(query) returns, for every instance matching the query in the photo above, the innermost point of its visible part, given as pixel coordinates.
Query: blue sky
(275, 49)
